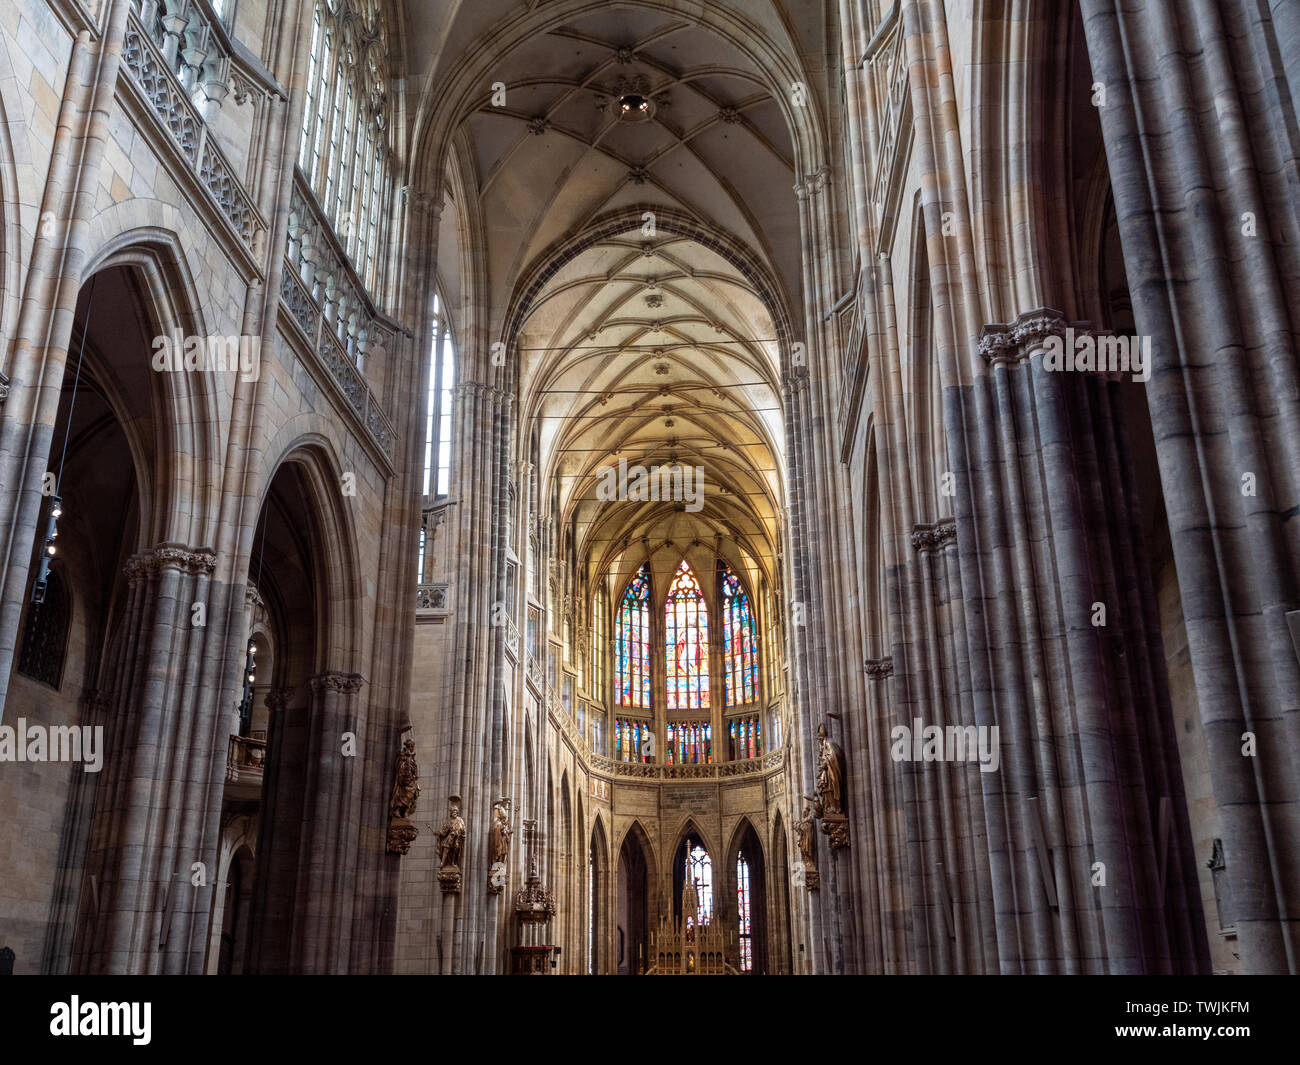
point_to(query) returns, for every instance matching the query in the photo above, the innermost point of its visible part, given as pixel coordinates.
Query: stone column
(1200, 133)
(1048, 527)
(145, 839)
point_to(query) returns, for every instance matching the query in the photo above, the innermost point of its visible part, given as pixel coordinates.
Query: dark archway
(633, 921)
(746, 909)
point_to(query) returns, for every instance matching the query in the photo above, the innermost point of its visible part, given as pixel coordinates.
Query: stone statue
(406, 788)
(451, 837)
(501, 831)
(803, 829)
(830, 775)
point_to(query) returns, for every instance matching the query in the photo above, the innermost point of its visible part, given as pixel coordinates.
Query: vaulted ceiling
(644, 259)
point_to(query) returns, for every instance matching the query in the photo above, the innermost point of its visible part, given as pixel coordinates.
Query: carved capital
(879, 668)
(1012, 342)
(934, 536)
(152, 561)
(252, 597)
(335, 680)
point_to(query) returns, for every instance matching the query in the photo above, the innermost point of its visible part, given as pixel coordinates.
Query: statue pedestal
(401, 833)
(449, 879)
(836, 827)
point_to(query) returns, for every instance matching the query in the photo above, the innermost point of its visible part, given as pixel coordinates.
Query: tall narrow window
(739, 643)
(632, 643)
(442, 390)
(686, 639)
(742, 907)
(591, 911)
(344, 150)
(599, 645)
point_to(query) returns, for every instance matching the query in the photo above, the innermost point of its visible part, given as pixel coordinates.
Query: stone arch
(186, 445)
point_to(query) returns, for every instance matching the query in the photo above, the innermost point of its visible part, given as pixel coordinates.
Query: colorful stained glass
(739, 642)
(633, 741)
(743, 907)
(690, 743)
(686, 639)
(632, 643)
(744, 737)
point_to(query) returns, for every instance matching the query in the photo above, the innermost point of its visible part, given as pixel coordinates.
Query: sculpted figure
(501, 831)
(830, 774)
(451, 837)
(406, 788)
(803, 831)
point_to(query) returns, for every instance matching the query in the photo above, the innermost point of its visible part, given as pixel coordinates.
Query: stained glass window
(689, 743)
(739, 642)
(634, 741)
(632, 643)
(699, 870)
(744, 737)
(742, 907)
(686, 634)
(45, 634)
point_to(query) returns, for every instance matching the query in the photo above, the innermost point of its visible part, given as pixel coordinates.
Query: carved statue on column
(500, 842)
(804, 830)
(830, 789)
(406, 790)
(451, 842)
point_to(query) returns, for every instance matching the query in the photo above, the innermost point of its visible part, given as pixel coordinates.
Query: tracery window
(739, 640)
(632, 643)
(45, 634)
(344, 150)
(743, 900)
(686, 642)
(442, 390)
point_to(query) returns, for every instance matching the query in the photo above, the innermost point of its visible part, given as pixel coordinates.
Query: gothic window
(632, 643)
(739, 642)
(442, 387)
(344, 148)
(686, 642)
(45, 635)
(689, 743)
(742, 907)
(699, 871)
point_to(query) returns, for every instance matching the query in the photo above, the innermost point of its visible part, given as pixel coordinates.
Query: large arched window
(344, 149)
(632, 643)
(739, 640)
(697, 870)
(442, 390)
(686, 642)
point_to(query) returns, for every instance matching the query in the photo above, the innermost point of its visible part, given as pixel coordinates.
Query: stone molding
(278, 698)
